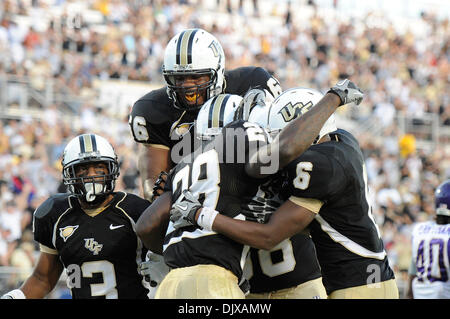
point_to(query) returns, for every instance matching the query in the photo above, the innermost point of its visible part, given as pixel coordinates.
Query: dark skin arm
(294, 139)
(288, 220)
(152, 224)
(44, 278)
(151, 161)
(409, 292)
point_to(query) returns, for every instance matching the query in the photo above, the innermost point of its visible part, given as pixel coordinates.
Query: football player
(288, 271)
(430, 265)
(194, 70)
(89, 231)
(327, 190)
(206, 264)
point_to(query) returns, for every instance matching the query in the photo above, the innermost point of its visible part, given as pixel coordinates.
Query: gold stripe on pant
(199, 282)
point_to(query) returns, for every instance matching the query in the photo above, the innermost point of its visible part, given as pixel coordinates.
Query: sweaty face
(192, 88)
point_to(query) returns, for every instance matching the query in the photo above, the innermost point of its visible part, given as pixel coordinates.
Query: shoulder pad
(242, 79)
(132, 204)
(55, 204)
(123, 198)
(250, 129)
(154, 106)
(244, 70)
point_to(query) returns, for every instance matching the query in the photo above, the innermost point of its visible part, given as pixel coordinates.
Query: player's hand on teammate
(348, 92)
(252, 98)
(158, 188)
(183, 212)
(153, 269)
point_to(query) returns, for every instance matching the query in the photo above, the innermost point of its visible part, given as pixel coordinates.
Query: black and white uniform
(220, 182)
(104, 248)
(155, 121)
(330, 179)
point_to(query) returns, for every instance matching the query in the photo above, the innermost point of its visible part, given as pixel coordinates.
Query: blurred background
(70, 67)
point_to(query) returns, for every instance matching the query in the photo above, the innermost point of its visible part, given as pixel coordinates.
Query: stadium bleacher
(68, 67)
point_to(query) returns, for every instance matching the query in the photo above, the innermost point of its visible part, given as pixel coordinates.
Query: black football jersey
(154, 119)
(216, 175)
(101, 254)
(290, 263)
(347, 239)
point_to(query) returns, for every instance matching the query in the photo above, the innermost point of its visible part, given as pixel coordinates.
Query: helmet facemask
(192, 97)
(87, 150)
(91, 190)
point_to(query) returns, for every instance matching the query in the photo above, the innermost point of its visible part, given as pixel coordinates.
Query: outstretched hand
(348, 92)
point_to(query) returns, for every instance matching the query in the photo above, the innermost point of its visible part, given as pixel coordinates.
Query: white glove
(153, 269)
(183, 212)
(348, 92)
(253, 97)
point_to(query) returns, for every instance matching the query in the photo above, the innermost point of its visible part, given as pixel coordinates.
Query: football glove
(159, 184)
(153, 269)
(245, 286)
(266, 201)
(348, 92)
(259, 209)
(252, 98)
(183, 212)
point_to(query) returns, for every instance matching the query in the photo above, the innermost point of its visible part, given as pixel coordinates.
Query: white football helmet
(215, 114)
(288, 106)
(88, 148)
(193, 52)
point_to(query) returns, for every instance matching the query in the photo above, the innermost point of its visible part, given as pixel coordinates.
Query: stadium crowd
(402, 72)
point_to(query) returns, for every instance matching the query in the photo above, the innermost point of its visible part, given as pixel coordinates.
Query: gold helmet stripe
(88, 143)
(219, 109)
(184, 47)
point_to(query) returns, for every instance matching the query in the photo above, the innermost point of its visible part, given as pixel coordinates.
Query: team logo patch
(179, 130)
(67, 231)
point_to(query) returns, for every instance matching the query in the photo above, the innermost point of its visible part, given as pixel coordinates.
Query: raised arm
(299, 134)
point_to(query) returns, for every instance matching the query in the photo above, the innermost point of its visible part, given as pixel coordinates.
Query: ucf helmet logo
(290, 112)
(214, 47)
